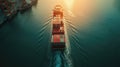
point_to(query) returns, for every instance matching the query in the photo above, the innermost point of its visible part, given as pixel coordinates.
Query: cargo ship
(58, 33)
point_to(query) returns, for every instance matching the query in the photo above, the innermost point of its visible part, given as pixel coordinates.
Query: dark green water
(25, 41)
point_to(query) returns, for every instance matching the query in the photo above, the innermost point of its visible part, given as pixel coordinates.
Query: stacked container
(58, 33)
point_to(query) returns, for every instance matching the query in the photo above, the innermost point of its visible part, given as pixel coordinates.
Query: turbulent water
(94, 42)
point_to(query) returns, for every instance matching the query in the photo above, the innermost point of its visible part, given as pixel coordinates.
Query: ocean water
(93, 40)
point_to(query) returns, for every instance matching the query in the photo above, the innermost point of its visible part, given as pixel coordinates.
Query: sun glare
(69, 7)
(69, 3)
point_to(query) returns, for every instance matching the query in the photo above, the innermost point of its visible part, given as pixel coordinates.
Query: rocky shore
(10, 8)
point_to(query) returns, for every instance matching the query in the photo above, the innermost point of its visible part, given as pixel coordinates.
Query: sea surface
(93, 37)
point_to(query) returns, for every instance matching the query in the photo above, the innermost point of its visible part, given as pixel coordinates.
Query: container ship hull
(58, 39)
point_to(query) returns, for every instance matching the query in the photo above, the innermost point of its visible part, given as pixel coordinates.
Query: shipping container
(58, 33)
(58, 41)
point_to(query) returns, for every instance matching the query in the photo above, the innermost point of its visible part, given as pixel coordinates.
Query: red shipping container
(58, 38)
